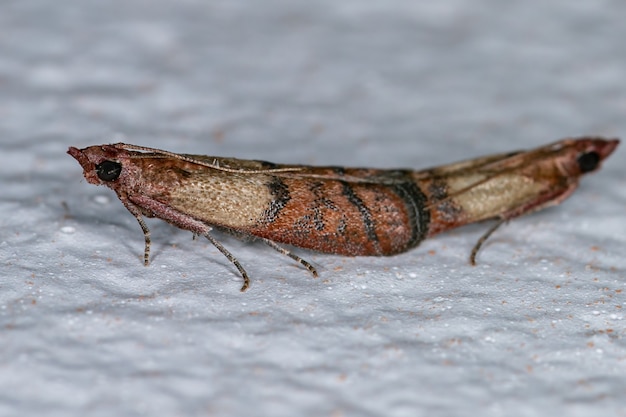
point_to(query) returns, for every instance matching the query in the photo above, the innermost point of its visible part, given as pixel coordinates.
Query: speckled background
(535, 329)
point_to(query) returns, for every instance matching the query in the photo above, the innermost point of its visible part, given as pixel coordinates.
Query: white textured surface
(536, 329)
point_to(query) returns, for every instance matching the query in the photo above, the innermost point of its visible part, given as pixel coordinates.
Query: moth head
(108, 170)
(101, 164)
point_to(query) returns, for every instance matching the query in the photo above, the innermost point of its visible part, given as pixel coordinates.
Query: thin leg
(291, 255)
(483, 238)
(146, 232)
(230, 257)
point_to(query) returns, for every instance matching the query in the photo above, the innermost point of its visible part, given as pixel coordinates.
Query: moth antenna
(214, 165)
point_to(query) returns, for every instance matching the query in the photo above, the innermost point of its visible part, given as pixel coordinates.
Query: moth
(332, 209)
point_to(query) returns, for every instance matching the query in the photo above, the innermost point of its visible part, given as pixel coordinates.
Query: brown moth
(345, 211)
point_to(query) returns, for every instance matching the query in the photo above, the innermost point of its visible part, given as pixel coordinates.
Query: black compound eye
(108, 170)
(588, 161)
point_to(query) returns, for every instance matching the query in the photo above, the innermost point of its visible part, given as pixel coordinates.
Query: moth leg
(483, 238)
(146, 232)
(231, 258)
(146, 236)
(296, 258)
